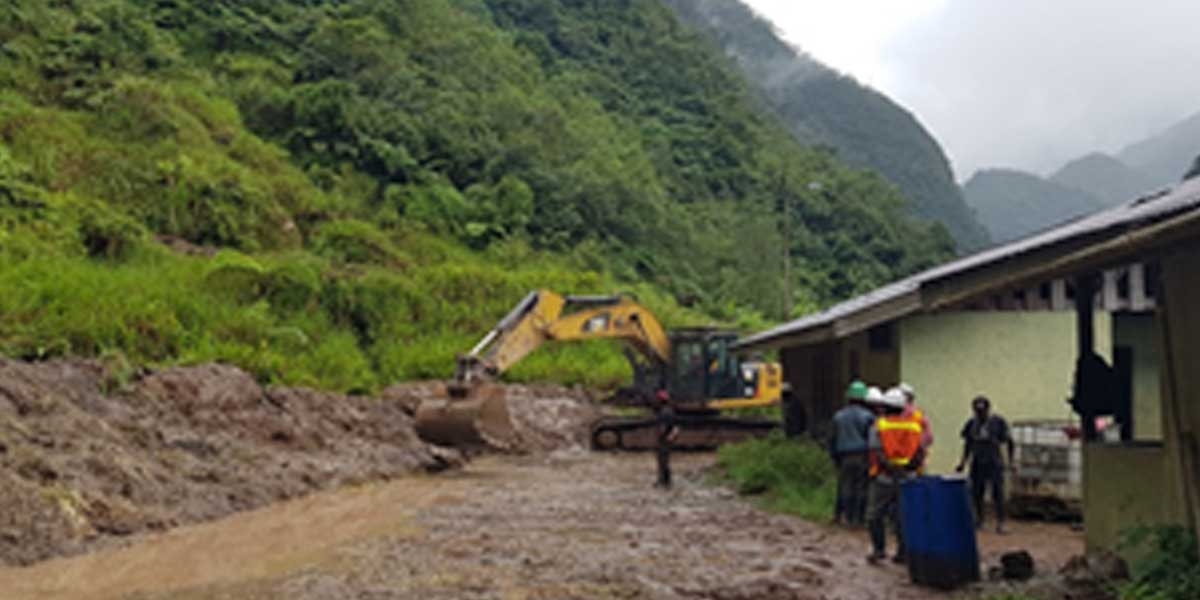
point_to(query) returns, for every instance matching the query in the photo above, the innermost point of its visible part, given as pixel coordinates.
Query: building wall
(879, 366)
(1180, 330)
(819, 374)
(1023, 361)
(1140, 333)
(1129, 485)
(801, 377)
(1112, 504)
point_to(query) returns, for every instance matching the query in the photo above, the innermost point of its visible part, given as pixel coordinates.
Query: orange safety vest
(900, 438)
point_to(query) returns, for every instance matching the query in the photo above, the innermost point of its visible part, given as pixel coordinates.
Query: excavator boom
(473, 411)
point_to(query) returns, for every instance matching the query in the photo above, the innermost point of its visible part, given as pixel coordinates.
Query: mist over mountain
(1011, 203)
(1166, 157)
(1105, 177)
(822, 107)
(1014, 203)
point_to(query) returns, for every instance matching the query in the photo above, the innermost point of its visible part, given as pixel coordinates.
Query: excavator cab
(706, 373)
(702, 366)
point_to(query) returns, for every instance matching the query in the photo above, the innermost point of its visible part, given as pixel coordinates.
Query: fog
(1027, 84)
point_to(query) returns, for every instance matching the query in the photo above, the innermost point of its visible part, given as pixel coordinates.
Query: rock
(1098, 566)
(1017, 565)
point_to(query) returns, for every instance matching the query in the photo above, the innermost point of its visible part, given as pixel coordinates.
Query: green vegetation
(822, 107)
(342, 194)
(1169, 567)
(793, 476)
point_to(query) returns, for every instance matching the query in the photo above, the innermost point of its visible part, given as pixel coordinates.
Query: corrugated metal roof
(1121, 219)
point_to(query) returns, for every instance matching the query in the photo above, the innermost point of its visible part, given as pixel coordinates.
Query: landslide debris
(81, 467)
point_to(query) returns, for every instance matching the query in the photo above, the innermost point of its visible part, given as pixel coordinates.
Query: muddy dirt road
(569, 525)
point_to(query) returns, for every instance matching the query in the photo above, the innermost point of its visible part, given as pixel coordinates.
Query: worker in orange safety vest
(911, 410)
(896, 454)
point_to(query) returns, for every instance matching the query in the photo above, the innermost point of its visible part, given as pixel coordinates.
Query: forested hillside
(1014, 204)
(823, 107)
(347, 193)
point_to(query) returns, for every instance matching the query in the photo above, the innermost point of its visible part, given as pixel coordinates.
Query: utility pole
(784, 206)
(786, 215)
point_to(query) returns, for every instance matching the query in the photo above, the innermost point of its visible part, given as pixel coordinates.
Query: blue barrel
(939, 532)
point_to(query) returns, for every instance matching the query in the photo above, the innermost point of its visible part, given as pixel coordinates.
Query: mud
(87, 460)
(550, 417)
(567, 525)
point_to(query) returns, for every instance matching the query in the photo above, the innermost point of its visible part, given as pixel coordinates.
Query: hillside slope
(1165, 157)
(1014, 203)
(343, 194)
(1105, 177)
(823, 107)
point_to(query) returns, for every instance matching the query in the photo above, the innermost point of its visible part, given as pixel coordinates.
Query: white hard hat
(894, 398)
(874, 395)
(907, 389)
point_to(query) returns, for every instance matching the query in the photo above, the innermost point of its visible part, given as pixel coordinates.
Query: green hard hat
(857, 391)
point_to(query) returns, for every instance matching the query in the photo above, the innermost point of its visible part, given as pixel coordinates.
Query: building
(1103, 311)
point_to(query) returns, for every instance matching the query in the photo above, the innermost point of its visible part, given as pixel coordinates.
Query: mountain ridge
(1015, 203)
(823, 107)
(1159, 160)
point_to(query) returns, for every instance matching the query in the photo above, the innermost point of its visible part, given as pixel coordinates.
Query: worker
(874, 401)
(896, 454)
(983, 434)
(667, 431)
(848, 448)
(911, 410)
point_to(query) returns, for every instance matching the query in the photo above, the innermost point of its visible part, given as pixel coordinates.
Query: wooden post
(1178, 302)
(1085, 326)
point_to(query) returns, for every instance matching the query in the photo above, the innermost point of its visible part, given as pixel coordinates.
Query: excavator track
(697, 432)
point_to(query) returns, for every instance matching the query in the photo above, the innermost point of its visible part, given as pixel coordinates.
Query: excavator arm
(473, 412)
(544, 316)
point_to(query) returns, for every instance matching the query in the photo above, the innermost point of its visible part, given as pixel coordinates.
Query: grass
(296, 317)
(1167, 566)
(793, 477)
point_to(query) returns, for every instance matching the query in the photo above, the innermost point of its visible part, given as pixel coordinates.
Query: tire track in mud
(567, 525)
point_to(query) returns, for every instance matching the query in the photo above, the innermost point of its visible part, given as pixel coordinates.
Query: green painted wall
(1140, 333)
(1023, 361)
(1127, 486)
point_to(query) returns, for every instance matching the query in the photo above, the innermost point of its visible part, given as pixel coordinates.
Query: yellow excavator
(694, 368)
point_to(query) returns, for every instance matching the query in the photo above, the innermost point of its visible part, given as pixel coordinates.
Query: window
(879, 338)
(1153, 280)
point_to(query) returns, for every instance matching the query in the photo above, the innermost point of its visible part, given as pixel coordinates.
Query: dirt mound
(550, 417)
(544, 417)
(80, 467)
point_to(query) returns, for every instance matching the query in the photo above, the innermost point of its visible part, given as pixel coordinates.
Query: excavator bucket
(468, 417)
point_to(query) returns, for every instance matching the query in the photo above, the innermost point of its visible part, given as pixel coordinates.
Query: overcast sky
(1016, 83)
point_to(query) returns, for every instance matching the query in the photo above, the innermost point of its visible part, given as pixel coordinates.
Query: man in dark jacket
(667, 432)
(983, 434)
(848, 448)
